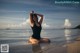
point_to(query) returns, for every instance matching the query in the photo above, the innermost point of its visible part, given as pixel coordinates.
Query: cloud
(21, 25)
(67, 23)
(26, 24)
(44, 25)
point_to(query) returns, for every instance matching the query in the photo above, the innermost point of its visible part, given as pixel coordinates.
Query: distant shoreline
(43, 29)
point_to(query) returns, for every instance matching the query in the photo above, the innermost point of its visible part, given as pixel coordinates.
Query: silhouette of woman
(36, 28)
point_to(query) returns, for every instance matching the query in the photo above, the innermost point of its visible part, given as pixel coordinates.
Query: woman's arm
(41, 19)
(31, 20)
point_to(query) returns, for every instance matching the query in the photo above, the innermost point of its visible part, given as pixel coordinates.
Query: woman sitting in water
(36, 28)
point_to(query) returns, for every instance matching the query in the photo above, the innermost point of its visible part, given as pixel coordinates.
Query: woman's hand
(39, 14)
(32, 12)
(41, 19)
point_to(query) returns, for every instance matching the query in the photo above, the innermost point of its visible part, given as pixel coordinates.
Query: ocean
(53, 34)
(18, 37)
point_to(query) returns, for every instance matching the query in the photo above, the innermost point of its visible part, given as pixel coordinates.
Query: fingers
(32, 11)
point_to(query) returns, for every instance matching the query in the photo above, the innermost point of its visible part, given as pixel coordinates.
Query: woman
(36, 28)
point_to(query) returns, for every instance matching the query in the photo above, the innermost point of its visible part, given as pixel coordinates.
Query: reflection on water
(68, 35)
(36, 48)
(41, 48)
(72, 47)
(18, 39)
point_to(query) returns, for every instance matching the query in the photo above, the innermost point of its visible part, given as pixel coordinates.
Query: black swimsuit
(36, 31)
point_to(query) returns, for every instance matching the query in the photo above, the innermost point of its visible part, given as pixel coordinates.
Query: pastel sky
(15, 13)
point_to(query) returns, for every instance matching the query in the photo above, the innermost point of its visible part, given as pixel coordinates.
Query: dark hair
(33, 15)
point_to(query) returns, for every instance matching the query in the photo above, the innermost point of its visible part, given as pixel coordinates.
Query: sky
(15, 13)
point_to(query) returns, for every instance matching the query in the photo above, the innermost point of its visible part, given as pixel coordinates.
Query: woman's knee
(33, 41)
(45, 40)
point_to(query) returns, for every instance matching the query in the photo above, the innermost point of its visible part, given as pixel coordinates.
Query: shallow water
(56, 34)
(19, 38)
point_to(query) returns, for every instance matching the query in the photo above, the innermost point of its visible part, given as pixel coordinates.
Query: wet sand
(72, 47)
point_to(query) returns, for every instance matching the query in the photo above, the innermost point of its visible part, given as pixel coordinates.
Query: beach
(57, 20)
(73, 47)
(62, 41)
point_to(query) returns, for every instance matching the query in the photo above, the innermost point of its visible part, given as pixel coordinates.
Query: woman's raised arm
(31, 20)
(41, 19)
